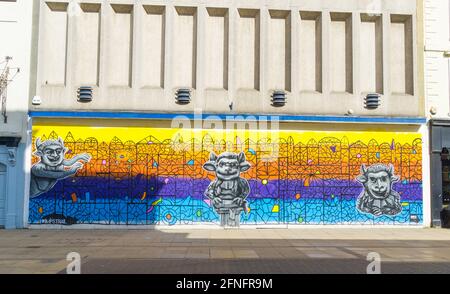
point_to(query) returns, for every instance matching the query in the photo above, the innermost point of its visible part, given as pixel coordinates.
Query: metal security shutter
(2, 195)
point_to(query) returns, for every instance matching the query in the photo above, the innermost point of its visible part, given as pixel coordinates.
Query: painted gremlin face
(227, 169)
(227, 166)
(52, 155)
(379, 184)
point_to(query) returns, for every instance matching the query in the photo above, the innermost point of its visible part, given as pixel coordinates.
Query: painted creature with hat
(229, 190)
(53, 166)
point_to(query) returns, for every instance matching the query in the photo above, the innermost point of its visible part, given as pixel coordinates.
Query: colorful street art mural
(159, 176)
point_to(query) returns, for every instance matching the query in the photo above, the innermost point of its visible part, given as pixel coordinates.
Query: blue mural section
(143, 200)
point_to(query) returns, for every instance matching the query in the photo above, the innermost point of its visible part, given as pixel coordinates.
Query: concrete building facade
(229, 113)
(136, 54)
(15, 59)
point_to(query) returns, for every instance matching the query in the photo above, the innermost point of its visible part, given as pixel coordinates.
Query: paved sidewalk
(183, 251)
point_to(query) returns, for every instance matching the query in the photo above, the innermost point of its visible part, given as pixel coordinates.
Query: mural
(52, 166)
(228, 191)
(378, 197)
(147, 176)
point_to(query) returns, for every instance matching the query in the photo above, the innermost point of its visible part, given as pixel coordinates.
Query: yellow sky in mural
(136, 134)
(327, 147)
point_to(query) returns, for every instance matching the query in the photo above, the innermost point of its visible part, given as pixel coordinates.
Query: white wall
(436, 71)
(15, 32)
(437, 66)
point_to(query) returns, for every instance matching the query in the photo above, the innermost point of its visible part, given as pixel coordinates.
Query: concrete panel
(401, 52)
(120, 45)
(341, 64)
(371, 54)
(279, 50)
(54, 43)
(310, 52)
(152, 47)
(88, 45)
(248, 46)
(9, 10)
(216, 49)
(184, 50)
(329, 60)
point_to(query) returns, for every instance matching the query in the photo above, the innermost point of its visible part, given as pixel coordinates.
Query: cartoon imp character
(52, 166)
(228, 191)
(378, 197)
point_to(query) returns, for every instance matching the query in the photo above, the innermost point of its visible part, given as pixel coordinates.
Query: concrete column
(105, 12)
(415, 61)
(137, 29)
(386, 55)
(200, 49)
(39, 51)
(356, 32)
(264, 95)
(168, 84)
(232, 31)
(72, 12)
(326, 35)
(295, 53)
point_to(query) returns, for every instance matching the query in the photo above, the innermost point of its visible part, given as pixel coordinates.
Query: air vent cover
(372, 101)
(183, 96)
(279, 98)
(85, 94)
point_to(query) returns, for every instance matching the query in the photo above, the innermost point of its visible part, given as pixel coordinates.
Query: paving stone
(299, 250)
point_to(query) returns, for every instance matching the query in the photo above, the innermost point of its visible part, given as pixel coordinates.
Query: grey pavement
(246, 251)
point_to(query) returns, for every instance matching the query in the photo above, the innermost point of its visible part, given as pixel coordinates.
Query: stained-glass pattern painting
(147, 176)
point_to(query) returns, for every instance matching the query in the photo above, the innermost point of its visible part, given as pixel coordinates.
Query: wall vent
(372, 101)
(183, 96)
(279, 98)
(84, 94)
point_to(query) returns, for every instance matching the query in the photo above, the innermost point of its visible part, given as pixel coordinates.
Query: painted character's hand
(238, 201)
(377, 211)
(76, 167)
(210, 194)
(217, 201)
(84, 157)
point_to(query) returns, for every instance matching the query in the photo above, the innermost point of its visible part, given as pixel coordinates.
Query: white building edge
(437, 98)
(16, 19)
